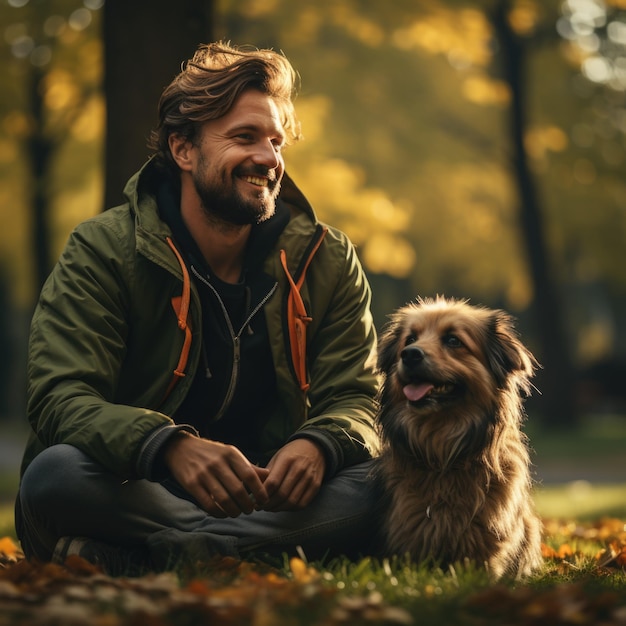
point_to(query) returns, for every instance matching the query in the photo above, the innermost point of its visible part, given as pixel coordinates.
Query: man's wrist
(151, 463)
(328, 447)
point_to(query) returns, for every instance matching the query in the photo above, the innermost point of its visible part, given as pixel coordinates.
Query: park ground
(580, 493)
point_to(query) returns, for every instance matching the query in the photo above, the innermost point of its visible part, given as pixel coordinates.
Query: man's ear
(180, 148)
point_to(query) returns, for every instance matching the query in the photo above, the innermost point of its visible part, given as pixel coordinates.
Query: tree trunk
(145, 42)
(555, 381)
(39, 153)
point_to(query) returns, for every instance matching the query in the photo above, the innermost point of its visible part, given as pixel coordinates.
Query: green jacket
(116, 339)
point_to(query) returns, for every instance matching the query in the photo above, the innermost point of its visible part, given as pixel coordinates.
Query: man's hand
(296, 472)
(218, 476)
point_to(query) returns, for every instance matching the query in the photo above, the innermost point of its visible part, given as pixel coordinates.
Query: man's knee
(53, 476)
(356, 486)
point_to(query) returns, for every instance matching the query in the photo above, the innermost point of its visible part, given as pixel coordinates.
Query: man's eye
(452, 341)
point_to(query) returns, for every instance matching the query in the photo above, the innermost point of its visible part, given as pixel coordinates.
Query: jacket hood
(145, 181)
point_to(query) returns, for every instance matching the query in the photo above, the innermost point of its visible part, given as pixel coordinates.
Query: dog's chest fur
(455, 514)
(445, 508)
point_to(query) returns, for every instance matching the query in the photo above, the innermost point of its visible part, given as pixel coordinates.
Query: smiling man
(200, 375)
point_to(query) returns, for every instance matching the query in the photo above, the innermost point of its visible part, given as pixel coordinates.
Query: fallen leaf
(301, 572)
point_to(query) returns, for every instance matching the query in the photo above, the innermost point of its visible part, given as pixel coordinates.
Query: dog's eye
(452, 341)
(410, 339)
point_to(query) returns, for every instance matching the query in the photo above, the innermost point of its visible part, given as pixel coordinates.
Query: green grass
(464, 595)
(436, 596)
(581, 500)
(7, 527)
(9, 481)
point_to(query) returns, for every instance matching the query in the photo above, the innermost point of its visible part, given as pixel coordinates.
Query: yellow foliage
(524, 16)
(389, 254)
(74, 205)
(372, 220)
(351, 19)
(457, 212)
(584, 171)
(464, 224)
(305, 27)
(89, 124)
(8, 151)
(59, 90)
(481, 89)
(91, 61)
(14, 237)
(443, 29)
(16, 124)
(257, 8)
(547, 138)
(312, 112)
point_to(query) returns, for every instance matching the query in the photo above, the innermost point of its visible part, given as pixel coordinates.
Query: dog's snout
(412, 356)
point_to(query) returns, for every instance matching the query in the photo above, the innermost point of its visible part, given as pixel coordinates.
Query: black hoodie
(227, 403)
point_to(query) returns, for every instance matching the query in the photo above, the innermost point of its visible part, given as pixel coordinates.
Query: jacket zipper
(235, 338)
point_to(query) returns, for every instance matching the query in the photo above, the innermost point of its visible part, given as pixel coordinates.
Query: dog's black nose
(412, 356)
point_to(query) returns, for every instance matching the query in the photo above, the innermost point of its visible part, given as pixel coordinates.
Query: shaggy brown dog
(455, 464)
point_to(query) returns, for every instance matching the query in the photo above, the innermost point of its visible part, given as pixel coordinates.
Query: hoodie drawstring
(297, 317)
(180, 305)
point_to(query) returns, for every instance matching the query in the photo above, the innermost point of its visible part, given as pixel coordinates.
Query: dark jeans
(65, 493)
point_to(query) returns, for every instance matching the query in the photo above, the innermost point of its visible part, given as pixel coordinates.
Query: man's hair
(209, 85)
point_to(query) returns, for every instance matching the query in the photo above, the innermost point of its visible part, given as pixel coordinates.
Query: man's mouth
(257, 181)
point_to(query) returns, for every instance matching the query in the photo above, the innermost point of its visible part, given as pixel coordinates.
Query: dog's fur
(455, 464)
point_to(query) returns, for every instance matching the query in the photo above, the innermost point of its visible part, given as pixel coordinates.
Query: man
(200, 375)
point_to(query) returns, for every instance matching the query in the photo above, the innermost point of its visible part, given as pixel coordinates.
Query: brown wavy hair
(210, 83)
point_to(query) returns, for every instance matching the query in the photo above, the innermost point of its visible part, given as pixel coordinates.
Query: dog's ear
(388, 342)
(506, 353)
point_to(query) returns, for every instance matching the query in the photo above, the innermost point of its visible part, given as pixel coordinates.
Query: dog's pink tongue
(417, 392)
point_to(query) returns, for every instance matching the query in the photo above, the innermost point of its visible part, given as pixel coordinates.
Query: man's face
(238, 163)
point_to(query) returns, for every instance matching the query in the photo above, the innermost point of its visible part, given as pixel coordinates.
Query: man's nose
(267, 154)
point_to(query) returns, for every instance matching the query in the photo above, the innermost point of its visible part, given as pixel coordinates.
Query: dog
(454, 463)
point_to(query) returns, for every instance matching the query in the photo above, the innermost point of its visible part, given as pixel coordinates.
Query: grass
(581, 500)
(7, 527)
(464, 595)
(420, 591)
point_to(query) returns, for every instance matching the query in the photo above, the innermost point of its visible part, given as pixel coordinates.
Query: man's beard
(222, 201)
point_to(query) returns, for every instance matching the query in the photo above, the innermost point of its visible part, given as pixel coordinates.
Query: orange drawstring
(180, 305)
(297, 317)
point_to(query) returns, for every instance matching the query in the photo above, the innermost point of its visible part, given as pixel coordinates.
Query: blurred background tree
(412, 146)
(51, 112)
(145, 42)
